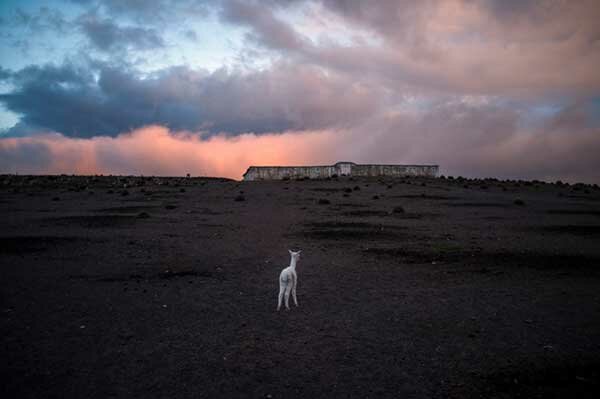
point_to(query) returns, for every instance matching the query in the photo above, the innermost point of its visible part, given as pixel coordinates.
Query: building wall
(340, 169)
(291, 172)
(395, 170)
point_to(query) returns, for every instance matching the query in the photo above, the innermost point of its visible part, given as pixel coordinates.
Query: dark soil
(171, 290)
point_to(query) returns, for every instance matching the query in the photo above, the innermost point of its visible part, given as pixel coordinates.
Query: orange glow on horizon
(153, 150)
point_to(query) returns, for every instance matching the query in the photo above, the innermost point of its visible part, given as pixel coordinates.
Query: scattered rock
(323, 201)
(239, 198)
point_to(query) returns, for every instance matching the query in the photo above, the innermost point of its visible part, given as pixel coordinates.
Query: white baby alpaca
(288, 280)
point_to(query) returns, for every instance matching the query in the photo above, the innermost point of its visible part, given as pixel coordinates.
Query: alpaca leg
(288, 288)
(281, 289)
(294, 291)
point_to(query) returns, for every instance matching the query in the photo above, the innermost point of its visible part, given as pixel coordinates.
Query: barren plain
(167, 287)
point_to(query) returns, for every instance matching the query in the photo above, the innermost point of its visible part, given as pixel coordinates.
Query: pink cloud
(153, 150)
(473, 141)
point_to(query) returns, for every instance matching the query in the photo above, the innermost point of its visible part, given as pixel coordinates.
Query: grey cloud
(266, 28)
(511, 8)
(44, 19)
(483, 141)
(468, 140)
(155, 12)
(5, 74)
(473, 47)
(108, 101)
(191, 34)
(107, 36)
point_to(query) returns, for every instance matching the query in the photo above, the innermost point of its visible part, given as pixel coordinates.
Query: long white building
(339, 169)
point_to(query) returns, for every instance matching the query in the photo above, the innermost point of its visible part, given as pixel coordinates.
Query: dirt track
(168, 288)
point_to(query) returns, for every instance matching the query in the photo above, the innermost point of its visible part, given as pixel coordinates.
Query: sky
(485, 88)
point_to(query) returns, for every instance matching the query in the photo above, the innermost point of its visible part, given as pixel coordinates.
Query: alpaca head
(295, 255)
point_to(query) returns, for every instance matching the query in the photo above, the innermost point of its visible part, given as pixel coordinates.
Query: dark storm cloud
(107, 35)
(107, 101)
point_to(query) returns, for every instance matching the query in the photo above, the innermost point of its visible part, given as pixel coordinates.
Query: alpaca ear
(290, 251)
(298, 252)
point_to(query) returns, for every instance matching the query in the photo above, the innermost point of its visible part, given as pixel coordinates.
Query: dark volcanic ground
(168, 288)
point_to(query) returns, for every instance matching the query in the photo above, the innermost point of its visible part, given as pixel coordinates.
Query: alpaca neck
(293, 263)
